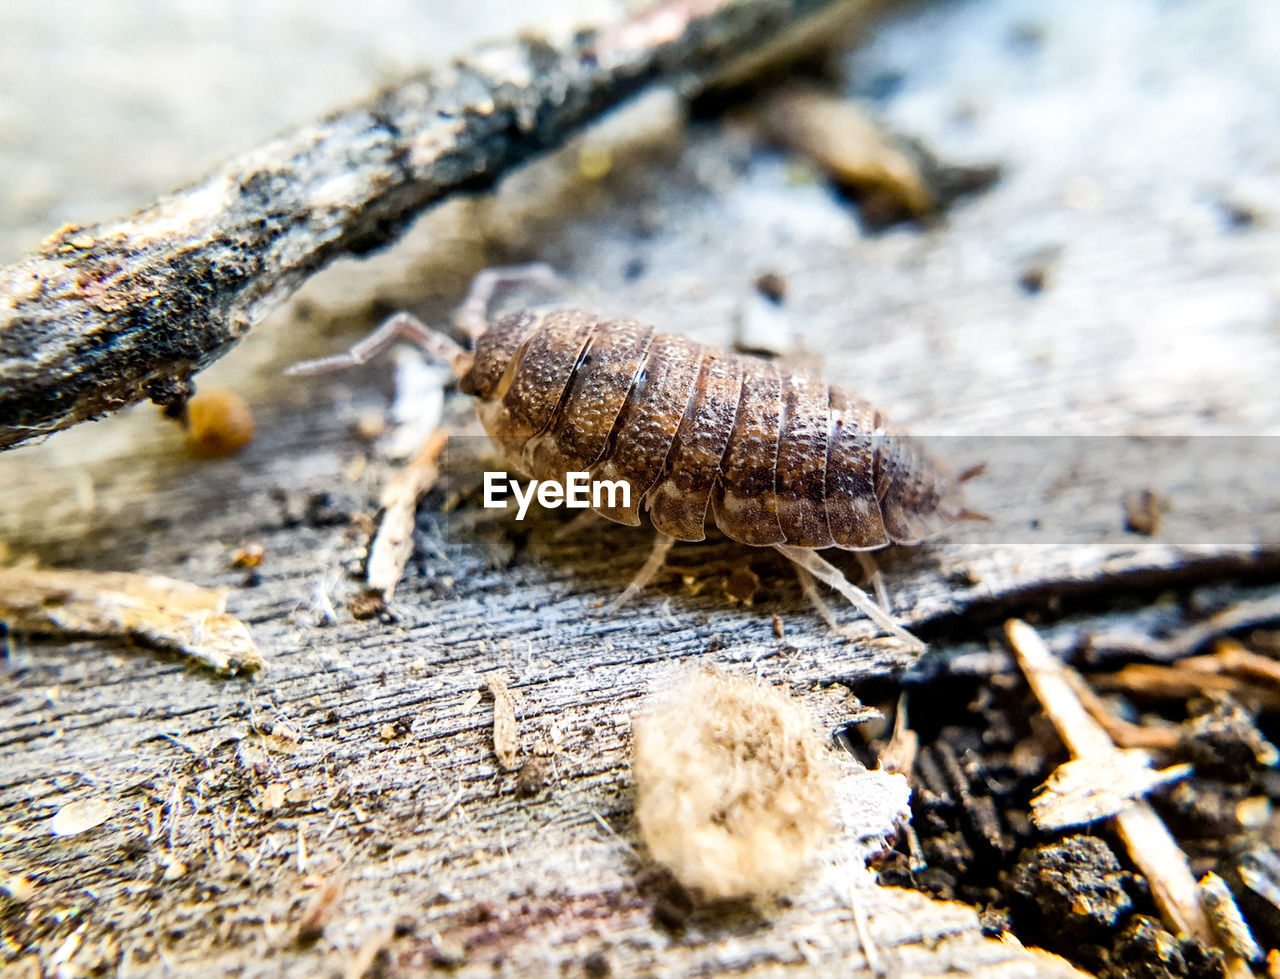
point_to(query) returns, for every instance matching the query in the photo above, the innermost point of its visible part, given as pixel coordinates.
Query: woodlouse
(774, 456)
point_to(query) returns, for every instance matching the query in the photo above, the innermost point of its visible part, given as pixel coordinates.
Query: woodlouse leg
(587, 518)
(809, 585)
(401, 326)
(875, 579)
(473, 314)
(826, 572)
(657, 558)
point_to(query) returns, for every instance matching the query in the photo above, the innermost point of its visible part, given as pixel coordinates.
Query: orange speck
(219, 423)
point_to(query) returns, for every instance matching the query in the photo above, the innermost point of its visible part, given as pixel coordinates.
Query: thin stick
(393, 543)
(1155, 852)
(103, 317)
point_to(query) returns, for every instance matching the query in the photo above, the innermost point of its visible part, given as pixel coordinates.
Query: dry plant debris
(1088, 789)
(506, 743)
(153, 609)
(1150, 845)
(320, 909)
(80, 816)
(986, 750)
(836, 134)
(393, 544)
(1226, 920)
(1142, 511)
(733, 786)
(892, 178)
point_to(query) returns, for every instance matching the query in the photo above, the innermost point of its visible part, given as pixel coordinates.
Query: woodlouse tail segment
(917, 500)
(400, 326)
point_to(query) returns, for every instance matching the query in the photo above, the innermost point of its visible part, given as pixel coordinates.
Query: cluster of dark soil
(985, 749)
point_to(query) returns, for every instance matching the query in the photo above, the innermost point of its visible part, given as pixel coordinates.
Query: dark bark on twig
(106, 316)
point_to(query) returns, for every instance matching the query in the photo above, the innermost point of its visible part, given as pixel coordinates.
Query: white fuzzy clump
(734, 787)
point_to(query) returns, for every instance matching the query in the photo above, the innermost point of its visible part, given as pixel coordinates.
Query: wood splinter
(153, 609)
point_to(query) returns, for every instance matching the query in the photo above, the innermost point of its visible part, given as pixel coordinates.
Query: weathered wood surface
(1159, 316)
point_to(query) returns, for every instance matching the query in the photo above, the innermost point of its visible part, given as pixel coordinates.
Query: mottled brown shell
(774, 456)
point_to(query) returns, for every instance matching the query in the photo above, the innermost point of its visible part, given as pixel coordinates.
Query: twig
(899, 755)
(1153, 850)
(102, 317)
(1124, 733)
(505, 742)
(393, 543)
(1230, 657)
(320, 909)
(1151, 680)
(875, 961)
(1186, 641)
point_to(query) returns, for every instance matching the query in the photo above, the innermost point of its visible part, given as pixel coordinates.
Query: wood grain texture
(1158, 316)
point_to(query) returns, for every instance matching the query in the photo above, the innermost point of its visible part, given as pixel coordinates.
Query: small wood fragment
(160, 611)
(393, 544)
(248, 555)
(363, 961)
(1230, 657)
(81, 816)
(505, 743)
(1180, 681)
(899, 755)
(1142, 511)
(837, 135)
(320, 909)
(1228, 923)
(1086, 790)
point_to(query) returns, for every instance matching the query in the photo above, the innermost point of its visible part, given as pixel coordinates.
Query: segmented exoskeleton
(772, 455)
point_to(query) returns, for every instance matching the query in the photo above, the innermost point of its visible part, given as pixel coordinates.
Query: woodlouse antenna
(473, 315)
(401, 326)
